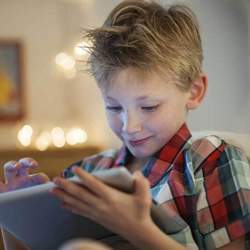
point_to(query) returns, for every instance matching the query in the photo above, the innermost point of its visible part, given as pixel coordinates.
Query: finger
(141, 186)
(10, 170)
(92, 183)
(70, 202)
(28, 181)
(77, 191)
(26, 164)
(84, 244)
(39, 178)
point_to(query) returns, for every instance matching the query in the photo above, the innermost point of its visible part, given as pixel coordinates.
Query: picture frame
(11, 81)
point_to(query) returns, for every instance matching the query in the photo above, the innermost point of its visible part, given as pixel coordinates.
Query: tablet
(36, 218)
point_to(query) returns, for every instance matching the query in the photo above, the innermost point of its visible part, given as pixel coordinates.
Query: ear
(197, 92)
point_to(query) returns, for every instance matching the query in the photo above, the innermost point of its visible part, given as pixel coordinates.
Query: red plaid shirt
(205, 184)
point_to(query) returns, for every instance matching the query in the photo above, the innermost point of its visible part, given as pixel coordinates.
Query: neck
(136, 164)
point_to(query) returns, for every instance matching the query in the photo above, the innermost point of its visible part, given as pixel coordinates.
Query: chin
(140, 153)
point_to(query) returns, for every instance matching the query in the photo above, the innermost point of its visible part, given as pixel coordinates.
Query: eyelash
(150, 108)
(118, 109)
(114, 108)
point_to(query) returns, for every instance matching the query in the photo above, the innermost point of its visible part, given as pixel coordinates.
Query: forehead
(136, 81)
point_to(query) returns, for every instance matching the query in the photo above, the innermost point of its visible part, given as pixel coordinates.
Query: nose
(131, 123)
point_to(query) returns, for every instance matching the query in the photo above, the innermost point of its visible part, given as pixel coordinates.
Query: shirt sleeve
(223, 205)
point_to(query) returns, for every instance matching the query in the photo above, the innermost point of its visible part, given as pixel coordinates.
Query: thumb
(141, 185)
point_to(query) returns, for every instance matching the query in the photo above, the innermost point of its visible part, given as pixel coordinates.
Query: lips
(138, 142)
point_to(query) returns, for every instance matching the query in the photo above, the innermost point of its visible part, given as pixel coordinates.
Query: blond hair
(147, 36)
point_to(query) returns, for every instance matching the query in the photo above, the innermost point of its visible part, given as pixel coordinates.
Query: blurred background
(57, 95)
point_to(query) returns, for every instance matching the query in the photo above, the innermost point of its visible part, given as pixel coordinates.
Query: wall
(38, 25)
(48, 27)
(247, 8)
(224, 30)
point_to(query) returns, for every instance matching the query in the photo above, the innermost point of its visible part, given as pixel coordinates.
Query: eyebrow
(144, 97)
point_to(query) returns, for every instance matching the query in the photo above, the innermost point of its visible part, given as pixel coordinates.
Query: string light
(57, 137)
(75, 136)
(43, 141)
(65, 61)
(25, 135)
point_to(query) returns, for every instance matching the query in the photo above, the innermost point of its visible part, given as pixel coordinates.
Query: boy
(147, 61)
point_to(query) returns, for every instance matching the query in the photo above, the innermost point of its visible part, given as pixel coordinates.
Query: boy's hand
(120, 212)
(17, 176)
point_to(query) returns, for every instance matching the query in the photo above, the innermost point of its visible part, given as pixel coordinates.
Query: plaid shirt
(205, 184)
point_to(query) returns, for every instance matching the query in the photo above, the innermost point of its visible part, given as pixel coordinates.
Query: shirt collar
(162, 160)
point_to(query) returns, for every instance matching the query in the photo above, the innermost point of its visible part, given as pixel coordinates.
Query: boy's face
(144, 110)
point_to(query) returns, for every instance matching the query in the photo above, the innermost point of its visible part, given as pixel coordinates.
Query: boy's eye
(114, 108)
(150, 108)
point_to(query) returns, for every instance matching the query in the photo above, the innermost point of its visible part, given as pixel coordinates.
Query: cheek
(114, 122)
(165, 121)
(154, 122)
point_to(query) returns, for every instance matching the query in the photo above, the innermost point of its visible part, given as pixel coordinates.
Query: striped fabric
(205, 183)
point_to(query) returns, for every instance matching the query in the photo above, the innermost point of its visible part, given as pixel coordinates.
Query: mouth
(139, 142)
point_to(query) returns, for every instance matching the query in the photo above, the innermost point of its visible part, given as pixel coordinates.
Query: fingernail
(26, 162)
(11, 166)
